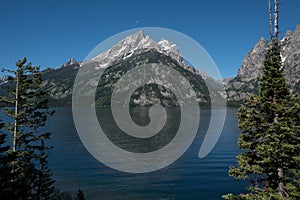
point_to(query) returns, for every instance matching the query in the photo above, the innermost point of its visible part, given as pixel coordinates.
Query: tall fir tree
(270, 138)
(28, 109)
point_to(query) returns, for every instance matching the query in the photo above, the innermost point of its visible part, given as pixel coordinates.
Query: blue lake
(188, 178)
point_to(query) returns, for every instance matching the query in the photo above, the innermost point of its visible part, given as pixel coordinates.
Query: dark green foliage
(297, 88)
(29, 177)
(45, 183)
(270, 124)
(4, 165)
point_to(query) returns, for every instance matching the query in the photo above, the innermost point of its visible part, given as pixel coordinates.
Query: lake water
(187, 178)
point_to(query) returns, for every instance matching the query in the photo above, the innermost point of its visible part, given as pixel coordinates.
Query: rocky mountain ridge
(246, 81)
(135, 44)
(70, 62)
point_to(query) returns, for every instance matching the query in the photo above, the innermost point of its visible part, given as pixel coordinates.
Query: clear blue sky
(49, 32)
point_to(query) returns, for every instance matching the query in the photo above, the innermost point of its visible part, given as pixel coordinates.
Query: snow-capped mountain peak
(165, 44)
(171, 49)
(137, 42)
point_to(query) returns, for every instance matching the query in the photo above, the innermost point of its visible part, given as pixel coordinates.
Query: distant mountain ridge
(132, 51)
(137, 49)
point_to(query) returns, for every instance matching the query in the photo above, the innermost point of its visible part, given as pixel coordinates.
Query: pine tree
(270, 124)
(27, 107)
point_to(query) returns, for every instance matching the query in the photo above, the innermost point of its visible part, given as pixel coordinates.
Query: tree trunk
(41, 162)
(15, 124)
(276, 11)
(270, 21)
(281, 188)
(16, 115)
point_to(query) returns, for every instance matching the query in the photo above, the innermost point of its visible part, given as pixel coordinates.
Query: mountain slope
(149, 94)
(246, 82)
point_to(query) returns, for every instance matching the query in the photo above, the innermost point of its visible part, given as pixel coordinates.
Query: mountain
(246, 81)
(70, 62)
(134, 50)
(137, 49)
(4, 80)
